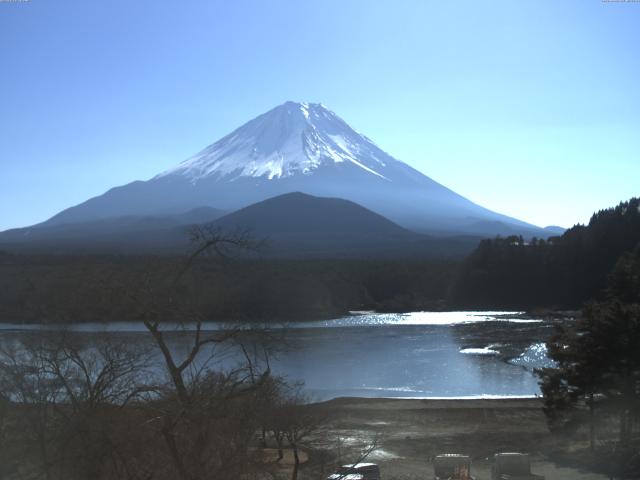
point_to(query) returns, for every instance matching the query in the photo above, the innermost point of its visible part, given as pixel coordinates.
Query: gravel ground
(411, 432)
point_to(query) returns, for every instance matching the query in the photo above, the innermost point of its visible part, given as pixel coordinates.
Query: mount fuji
(298, 147)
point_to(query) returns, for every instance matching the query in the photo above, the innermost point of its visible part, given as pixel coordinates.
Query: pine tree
(597, 373)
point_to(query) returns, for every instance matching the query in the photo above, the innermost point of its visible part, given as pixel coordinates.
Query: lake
(414, 355)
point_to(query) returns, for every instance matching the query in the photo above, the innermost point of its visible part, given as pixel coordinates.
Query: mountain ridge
(307, 148)
(294, 225)
(309, 215)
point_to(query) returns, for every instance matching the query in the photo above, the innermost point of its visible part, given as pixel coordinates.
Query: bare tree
(296, 422)
(63, 395)
(364, 453)
(24, 382)
(96, 409)
(202, 414)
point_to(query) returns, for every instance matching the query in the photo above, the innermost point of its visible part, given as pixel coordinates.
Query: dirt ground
(411, 432)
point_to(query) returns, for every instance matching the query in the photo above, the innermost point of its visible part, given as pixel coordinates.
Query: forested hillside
(562, 272)
(62, 289)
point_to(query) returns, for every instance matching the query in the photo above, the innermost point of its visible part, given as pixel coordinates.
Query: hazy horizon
(531, 110)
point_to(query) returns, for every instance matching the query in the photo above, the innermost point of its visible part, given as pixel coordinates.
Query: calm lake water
(422, 354)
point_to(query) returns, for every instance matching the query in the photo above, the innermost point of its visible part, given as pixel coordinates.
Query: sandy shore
(412, 431)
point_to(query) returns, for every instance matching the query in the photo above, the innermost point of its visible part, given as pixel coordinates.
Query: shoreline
(472, 401)
(461, 398)
(471, 317)
(411, 432)
(515, 316)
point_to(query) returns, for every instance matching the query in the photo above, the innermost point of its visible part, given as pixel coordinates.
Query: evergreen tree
(597, 373)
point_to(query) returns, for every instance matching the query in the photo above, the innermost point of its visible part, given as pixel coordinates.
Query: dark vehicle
(512, 466)
(452, 466)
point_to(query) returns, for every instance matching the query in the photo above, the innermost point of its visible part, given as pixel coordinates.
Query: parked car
(356, 471)
(452, 466)
(512, 466)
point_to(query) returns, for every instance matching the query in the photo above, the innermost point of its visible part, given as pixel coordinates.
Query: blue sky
(530, 108)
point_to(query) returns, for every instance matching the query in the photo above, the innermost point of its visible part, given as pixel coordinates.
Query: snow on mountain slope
(294, 138)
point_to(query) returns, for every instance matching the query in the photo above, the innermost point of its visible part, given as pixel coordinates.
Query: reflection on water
(397, 361)
(424, 354)
(356, 320)
(420, 318)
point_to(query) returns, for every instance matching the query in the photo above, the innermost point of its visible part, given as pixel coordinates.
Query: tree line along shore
(502, 273)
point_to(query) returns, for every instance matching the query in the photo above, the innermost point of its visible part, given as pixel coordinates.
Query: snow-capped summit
(293, 138)
(299, 147)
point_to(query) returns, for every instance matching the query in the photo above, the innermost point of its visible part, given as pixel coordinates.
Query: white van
(357, 471)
